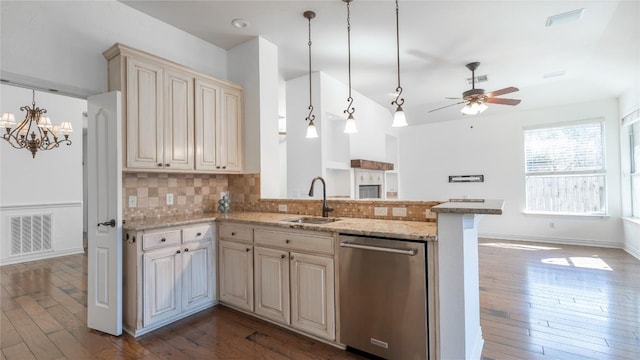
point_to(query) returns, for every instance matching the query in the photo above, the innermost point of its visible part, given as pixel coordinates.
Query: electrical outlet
(169, 199)
(552, 225)
(380, 211)
(282, 207)
(133, 201)
(398, 211)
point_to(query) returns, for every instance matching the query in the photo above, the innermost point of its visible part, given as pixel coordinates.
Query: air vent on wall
(30, 233)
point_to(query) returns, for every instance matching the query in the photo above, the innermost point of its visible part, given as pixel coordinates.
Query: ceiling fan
(476, 99)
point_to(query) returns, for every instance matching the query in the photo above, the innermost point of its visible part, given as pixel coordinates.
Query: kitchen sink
(311, 220)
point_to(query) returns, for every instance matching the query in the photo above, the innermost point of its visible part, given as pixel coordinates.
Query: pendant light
(312, 133)
(350, 126)
(399, 119)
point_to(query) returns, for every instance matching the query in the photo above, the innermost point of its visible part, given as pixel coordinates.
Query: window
(564, 169)
(634, 137)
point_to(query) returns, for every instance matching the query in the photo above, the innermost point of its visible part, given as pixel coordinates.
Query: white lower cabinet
(284, 275)
(168, 274)
(312, 295)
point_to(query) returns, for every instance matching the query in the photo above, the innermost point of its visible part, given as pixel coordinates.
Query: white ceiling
(600, 54)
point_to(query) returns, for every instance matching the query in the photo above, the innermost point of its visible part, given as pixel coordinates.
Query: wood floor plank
(39, 315)
(69, 346)
(19, 351)
(37, 341)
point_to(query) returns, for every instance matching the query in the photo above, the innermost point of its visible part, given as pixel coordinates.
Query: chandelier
(35, 132)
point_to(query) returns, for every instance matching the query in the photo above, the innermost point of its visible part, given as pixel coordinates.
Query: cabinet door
(207, 99)
(198, 275)
(231, 131)
(178, 120)
(236, 274)
(144, 122)
(161, 285)
(312, 295)
(272, 284)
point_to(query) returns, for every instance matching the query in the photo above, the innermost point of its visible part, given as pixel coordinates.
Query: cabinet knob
(159, 164)
(224, 167)
(287, 241)
(177, 251)
(291, 257)
(167, 165)
(283, 256)
(163, 240)
(217, 167)
(198, 234)
(185, 250)
(233, 234)
(248, 249)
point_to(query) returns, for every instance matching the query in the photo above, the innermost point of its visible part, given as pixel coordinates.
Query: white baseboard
(478, 345)
(39, 256)
(552, 240)
(633, 251)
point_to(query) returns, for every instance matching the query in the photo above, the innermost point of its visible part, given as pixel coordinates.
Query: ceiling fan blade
(501, 101)
(508, 90)
(440, 108)
(453, 98)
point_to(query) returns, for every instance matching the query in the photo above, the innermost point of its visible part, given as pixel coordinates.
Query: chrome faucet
(325, 206)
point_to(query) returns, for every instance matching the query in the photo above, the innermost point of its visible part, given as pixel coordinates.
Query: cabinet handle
(287, 241)
(248, 249)
(283, 256)
(159, 164)
(177, 251)
(163, 240)
(185, 250)
(198, 234)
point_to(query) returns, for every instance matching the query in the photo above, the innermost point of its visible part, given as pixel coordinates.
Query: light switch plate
(133, 201)
(398, 211)
(169, 199)
(380, 211)
(282, 207)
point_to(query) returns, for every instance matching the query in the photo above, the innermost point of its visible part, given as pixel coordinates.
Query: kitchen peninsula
(451, 268)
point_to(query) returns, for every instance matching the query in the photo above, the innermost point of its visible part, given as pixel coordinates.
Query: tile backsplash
(192, 193)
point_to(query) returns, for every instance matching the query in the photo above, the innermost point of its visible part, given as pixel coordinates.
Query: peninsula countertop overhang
(397, 229)
(470, 206)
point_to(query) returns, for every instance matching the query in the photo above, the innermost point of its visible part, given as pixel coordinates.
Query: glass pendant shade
(473, 108)
(44, 122)
(66, 128)
(350, 126)
(312, 132)
(399, 119)
(8, 120)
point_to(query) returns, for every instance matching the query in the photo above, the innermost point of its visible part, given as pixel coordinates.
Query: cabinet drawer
(236, 232)
(160, 239)
(302, 241)
(197, 233)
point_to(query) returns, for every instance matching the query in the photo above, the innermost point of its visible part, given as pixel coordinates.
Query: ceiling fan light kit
(476, 100)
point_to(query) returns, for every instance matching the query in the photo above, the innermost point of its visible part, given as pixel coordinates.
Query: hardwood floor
(538, 301)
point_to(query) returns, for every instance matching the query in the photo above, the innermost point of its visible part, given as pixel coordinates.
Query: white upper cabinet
(218, 127)
(176, 119)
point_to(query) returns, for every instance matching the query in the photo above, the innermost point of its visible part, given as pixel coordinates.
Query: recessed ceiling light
(240, 23)
(563, 18)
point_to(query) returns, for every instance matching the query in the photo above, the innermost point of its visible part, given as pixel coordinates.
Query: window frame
(541, 174)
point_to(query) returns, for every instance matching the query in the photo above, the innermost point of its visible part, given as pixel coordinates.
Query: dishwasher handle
(410, 252)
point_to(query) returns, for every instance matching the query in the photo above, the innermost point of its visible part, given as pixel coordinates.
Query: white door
(104, 161)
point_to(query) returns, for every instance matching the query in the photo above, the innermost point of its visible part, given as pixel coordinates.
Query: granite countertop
(470, 206)
(167, 221)
(406, 230)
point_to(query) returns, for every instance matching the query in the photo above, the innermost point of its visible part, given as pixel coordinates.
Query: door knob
(111, 223)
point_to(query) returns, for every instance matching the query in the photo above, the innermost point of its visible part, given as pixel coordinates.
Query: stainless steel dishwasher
(383, 297)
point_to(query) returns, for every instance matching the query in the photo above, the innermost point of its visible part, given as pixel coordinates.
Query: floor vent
(30, 234)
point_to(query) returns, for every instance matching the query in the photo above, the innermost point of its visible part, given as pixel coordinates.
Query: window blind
(567, 148)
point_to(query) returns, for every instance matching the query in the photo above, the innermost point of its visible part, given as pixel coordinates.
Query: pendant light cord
(310, 116)
(350, 109)
(398, 101)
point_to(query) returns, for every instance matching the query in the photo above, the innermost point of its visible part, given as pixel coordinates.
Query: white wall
(50, 183)
(59, 44)
(494, 148)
